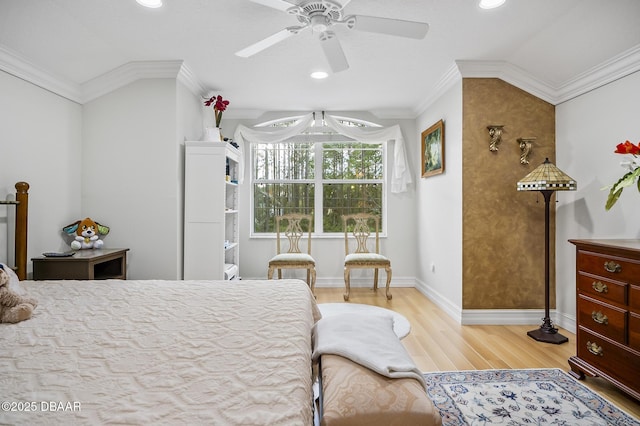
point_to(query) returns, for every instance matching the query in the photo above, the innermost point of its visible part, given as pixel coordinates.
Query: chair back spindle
(361, 232)
(293, 232)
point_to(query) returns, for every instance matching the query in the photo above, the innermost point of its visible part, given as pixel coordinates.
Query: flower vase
(212, 134)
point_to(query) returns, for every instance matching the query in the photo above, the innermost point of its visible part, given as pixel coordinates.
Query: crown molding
(132, 71)
(511, 74)
(191, 82)
(615, 68)
(448, 79)
(18, 66)
(394, 114)
(13, 63)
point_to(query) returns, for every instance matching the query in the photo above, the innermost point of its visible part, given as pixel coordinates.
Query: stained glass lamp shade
(547, 177)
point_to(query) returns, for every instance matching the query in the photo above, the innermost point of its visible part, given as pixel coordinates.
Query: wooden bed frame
(22, 208)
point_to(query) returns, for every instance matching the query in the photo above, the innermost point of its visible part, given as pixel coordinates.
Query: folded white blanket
(368, 340)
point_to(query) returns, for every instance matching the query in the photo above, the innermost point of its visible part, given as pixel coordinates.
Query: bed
(159, 352)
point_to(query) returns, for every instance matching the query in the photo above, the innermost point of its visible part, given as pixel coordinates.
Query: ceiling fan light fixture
(319, 75)
(153, 4)
(319, 23)
(491, 4)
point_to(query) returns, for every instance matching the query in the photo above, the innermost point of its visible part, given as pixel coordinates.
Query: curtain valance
(400, 175)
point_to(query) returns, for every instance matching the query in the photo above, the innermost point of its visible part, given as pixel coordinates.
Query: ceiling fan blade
(333, 51)
(282, 5)
(268, 42)
(397, 27)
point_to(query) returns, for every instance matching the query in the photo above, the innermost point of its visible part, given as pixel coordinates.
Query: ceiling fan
(320, 16)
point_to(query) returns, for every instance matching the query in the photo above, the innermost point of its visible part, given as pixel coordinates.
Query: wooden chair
(296, 226)
(361, 257)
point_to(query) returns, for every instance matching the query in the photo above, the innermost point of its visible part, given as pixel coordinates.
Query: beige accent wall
(503, 229)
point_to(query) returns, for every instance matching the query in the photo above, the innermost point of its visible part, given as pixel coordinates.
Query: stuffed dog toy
(86, 234)
(13, 306)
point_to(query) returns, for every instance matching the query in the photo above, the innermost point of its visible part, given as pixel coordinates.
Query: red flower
(219, 105)
(631, 177)
(627, 148)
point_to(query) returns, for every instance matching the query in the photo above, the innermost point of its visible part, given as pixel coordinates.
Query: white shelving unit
(211, 249)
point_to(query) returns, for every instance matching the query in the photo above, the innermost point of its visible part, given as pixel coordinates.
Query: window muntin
(284, 180)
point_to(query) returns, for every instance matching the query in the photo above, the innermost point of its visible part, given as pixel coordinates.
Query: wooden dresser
(608, 312)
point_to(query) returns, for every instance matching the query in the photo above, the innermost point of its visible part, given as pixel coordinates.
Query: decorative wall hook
(526, 145)
(495, 136)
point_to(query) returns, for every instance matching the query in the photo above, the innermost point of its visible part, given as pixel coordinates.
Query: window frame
(319, 181)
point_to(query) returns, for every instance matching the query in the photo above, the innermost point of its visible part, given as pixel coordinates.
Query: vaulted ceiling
(551, 44)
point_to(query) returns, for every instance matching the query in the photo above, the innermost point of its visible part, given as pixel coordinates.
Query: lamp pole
(547, 332)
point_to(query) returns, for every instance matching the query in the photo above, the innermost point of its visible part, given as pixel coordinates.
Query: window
(282, 182)
(326, 176)
(352, 181)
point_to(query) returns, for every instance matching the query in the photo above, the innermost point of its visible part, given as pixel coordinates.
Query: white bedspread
(160, 352)
(368, 340)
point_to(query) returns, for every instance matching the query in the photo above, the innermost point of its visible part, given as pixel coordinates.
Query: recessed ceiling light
(491, 4)
(150, 3)
(319, 75)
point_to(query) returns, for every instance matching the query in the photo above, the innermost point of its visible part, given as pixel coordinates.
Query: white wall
(40, 143)
(132, 181)
(588, 128)
(329, 251)
(439, 208)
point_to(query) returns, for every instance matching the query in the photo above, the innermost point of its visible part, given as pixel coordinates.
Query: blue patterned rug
(519, 397)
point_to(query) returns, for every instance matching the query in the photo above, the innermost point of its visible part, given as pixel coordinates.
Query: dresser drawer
(634, 330)
(634, 297)
(602, 318)
(613, 359)
(602, 288)
(612, 267)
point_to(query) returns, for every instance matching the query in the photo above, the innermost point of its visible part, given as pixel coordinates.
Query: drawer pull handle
(595, 349)
(600, 287)
(612, 267)
(599, 317)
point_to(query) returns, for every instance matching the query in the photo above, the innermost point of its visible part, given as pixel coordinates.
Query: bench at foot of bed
(355, 395)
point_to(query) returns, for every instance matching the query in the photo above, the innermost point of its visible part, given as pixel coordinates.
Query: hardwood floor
(438, 343)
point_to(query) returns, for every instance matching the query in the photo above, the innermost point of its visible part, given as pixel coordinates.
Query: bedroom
(103, 157)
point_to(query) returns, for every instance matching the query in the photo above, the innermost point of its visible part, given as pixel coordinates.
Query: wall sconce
(526, 144)
(495, 136)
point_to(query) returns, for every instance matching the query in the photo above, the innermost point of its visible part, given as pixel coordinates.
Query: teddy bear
(86, 234)
(13, 306)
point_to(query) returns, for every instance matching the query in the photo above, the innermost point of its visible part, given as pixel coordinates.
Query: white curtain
(400, 174)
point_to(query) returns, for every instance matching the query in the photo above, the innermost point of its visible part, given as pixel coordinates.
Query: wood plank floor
(438, 343)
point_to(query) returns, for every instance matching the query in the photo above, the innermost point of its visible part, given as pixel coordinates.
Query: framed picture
(433, 150)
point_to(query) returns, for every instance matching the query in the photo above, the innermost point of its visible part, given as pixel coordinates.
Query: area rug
(519, 397)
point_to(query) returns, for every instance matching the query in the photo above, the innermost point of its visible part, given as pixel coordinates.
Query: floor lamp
(547, 178)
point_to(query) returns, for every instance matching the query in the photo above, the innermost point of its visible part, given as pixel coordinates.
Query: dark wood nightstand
(90, 264)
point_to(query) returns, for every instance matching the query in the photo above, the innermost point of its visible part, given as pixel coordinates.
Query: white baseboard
(336, 282)
(516, 317)
(440, 301)
(496, 316)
